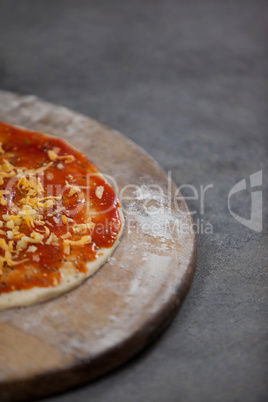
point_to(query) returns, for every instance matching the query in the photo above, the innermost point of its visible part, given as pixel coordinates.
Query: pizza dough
(59, 218)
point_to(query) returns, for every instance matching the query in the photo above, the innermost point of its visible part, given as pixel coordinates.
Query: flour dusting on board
(154, 216)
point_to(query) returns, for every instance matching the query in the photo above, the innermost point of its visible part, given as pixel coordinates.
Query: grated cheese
(99, 191)
(33, 208)
(53, 156)
(66, 235)
(31, 249)
(53, 240)
(67, 243)
(64, 219)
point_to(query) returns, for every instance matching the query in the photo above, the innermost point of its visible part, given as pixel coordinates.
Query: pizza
(60, 220)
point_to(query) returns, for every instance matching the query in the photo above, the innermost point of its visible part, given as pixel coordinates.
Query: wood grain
(77, 337)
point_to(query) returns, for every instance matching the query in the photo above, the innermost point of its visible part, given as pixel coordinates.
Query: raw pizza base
(70, 280)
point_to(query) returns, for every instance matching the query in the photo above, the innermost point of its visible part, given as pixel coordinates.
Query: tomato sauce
(24, 148)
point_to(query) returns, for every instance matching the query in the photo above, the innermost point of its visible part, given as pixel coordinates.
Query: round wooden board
(52, 346)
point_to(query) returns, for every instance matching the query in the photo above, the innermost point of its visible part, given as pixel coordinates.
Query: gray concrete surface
(187, 80)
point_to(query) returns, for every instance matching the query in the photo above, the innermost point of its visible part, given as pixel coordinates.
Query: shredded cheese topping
(33, 208)
(53, 156)
(99, 192)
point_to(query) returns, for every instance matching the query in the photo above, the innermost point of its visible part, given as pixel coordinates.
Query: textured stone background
(187, 80)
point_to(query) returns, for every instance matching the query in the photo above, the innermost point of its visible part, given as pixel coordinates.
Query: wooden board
(74, 338)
